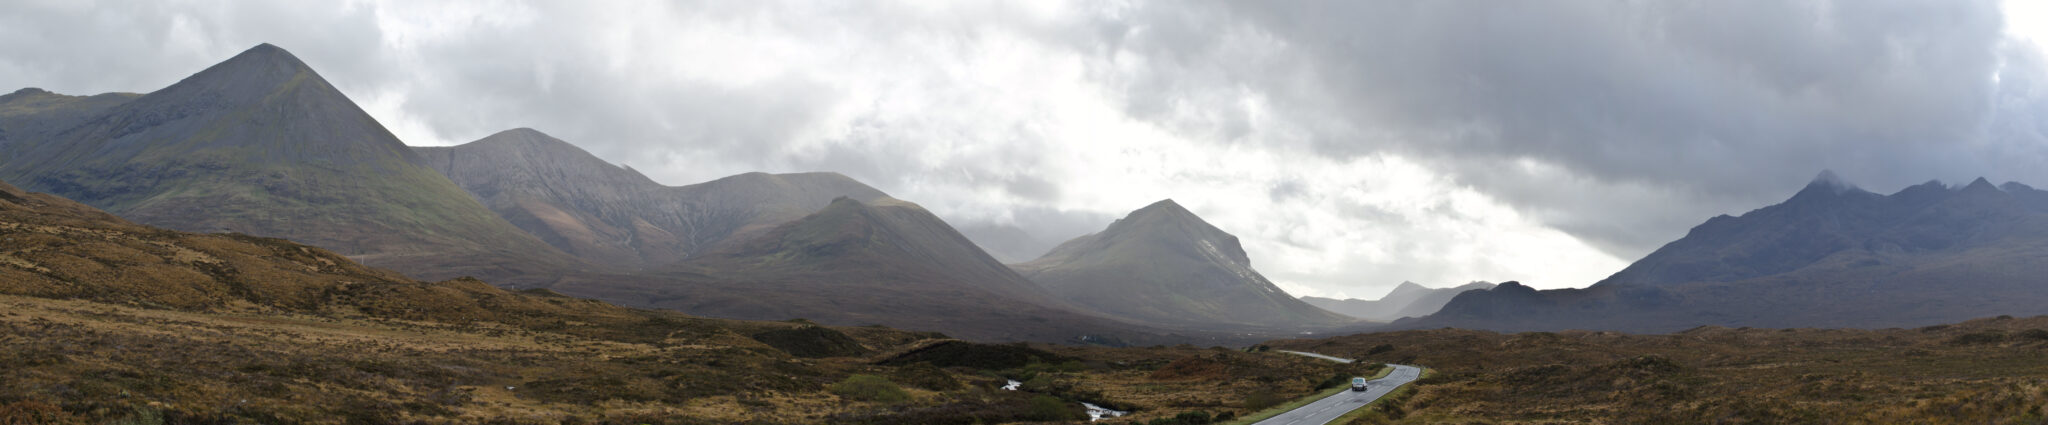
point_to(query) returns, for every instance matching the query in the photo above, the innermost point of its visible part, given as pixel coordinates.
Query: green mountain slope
(1163, 265)
(260, 144)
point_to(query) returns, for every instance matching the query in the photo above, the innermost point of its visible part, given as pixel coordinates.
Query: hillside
(1164, 266)
(1406, 300)
(260, 144)
(113, 322)
(855, 263)
(1979, 371)
(1833, 255)
(612, 215)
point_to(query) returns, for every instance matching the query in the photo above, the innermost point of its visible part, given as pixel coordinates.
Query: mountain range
(614, 216)
(1164, 266)
(1833, 255)
(260, 144)
(1408, 299)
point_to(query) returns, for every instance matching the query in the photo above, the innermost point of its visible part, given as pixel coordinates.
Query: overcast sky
(1351, 145)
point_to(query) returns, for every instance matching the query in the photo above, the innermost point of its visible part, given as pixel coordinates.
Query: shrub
(1261, 400)
(1049, 408)
(870, 388)
(1185, 418)
(1979, 338)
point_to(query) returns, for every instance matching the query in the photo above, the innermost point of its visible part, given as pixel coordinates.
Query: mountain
(1407, 300)
(134, 324)
(31, 115)
(1833, 255)
(888, 262)
(260, 144)
(1162, 265)
(614, 216)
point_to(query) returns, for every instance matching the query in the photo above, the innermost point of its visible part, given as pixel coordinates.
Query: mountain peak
(1163, 208)
(265, 56)
(1979, 185)
(525, 139)
(1828, 180)
(1826, 185)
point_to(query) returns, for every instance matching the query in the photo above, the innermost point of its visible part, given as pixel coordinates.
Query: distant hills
(1163, 265)
(1833, 255)
(1406, 300)
(262, 145)
(612, 215)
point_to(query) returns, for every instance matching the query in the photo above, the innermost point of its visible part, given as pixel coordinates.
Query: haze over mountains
(1163, 265)
(1833, 255)
(1409, 299)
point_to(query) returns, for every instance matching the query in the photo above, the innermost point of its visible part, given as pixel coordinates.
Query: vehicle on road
(1358, 384)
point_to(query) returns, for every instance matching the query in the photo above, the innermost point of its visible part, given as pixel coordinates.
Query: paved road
(1319, 356)
(1329, 408)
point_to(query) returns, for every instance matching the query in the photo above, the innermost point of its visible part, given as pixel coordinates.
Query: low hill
(1163, 266)
(1407, 300)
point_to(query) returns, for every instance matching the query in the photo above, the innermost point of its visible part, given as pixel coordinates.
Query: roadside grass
(1368, 415)
(1303, 401)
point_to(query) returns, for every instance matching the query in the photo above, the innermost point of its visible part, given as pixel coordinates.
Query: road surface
(1319, 356)
(1329, 408)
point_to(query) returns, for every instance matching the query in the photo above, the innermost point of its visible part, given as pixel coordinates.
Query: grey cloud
(1715, 105)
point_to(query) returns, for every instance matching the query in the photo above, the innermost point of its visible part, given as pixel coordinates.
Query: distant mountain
(33, 115)
(1407, 300)
(1163, 265)
(260, 144)
(888, 262)
(614, 216)
(1833, 255)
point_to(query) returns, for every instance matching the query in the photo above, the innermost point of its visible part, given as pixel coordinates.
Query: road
(1329, 408)
(1319, 356)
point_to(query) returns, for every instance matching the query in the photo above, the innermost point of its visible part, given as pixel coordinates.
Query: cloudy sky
(1351, 145)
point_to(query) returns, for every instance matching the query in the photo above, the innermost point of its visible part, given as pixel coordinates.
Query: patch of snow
(1013, 385)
